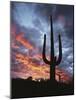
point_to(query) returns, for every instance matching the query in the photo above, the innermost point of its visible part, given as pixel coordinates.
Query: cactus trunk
(52, 66)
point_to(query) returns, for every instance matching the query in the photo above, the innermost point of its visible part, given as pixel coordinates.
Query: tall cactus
(54, 61)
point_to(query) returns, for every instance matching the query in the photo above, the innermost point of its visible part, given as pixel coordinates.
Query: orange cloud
(40, 71)
(24, 42)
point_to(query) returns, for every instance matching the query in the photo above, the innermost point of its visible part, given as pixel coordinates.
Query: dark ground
(26, 88)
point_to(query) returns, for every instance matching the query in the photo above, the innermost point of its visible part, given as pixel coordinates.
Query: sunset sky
(29, 23)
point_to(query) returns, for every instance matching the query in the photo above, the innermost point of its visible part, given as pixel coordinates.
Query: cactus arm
(44, 49)
(60, 52)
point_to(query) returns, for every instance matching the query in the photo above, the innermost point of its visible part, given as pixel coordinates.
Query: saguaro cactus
(54, 61)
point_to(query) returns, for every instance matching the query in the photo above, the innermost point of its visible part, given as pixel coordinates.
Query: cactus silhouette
(59, 77)
(54, 61)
